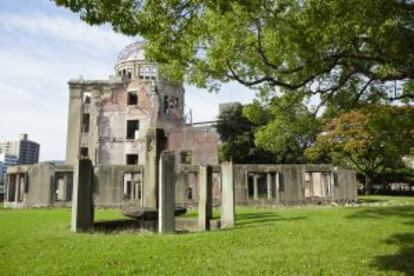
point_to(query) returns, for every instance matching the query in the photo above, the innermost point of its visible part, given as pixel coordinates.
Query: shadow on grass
(247, 220)
(116, 225)
(262, 218)
(403, 260)
(385, 212)
(371, 200)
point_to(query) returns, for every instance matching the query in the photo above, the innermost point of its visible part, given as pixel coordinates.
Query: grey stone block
(205, 203)
(227, 195)
(166, 193)
(82, 204)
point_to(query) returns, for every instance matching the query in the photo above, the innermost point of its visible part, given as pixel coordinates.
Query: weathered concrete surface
(187, 183)
(227, 197)
(269, 186)
(35, 185)
(109, 184)
(255, 187)
(166, 195)
(155, 144)
(277, 187)
(82, 205)
(289, 185)
(205, 202)
(202, 142)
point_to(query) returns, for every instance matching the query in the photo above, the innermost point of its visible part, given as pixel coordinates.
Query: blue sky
(41, 48)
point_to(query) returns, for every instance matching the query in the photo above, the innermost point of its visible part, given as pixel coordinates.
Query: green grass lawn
(377, 238)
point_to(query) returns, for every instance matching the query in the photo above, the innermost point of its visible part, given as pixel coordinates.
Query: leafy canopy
(285, 127)
(320, 46)
(371, 140)
(237, 136)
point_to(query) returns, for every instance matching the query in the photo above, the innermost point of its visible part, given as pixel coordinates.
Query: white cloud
(39, 55)
(63, 28)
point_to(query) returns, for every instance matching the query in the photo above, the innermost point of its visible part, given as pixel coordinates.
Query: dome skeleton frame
(133, 51)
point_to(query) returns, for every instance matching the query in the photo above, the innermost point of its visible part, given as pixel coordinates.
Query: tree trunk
(367, 185)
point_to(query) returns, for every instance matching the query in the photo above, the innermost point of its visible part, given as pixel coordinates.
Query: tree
(369, 140)
(285, 127)
(237, 136)
(318, 46)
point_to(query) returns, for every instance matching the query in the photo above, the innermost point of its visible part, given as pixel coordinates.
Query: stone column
(155, 143)
(331, 184)
(17, 188)
(141, 179)
(82, 199)
(227, 195)
(180, 188)
(269, 186)
(6, 188)
(65, 188)
(246, 182)
(255, 187)
(205, 202)
(23, 187)
(166, 193)
(277, 185)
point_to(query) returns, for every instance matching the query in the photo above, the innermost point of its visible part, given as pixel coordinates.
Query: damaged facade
(112, 122)
(108, 120)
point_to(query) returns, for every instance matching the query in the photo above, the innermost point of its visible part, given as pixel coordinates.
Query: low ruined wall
(288, 185)
(187, 187)
(36, 185)
(290, 190)
(40, 189)
(109, 184)
(292, 184)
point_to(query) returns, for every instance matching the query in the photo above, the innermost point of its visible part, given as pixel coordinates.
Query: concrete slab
(82, 199)
(166, 193)
(205, 203)
(227, 195)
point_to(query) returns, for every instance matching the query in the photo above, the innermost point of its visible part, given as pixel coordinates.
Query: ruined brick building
(113, 122)
(109, 119)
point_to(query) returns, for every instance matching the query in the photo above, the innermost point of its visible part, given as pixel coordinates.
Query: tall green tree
(318, 46)
(370, 141)
(285, 127)
(237, 137)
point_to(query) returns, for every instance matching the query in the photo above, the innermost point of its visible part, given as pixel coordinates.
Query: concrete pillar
(255, 187)
(10, 186)
(269, 185)
(65, 188)
(141, 179)
(227, 195)
(23, 187)
(17, 188)
(155, 143)
(277, 185)
(205, 202)
(82, 199)
(6, 188)
(246, 182)
(166, 193)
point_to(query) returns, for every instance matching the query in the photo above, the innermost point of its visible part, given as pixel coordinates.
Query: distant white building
(27, 151)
